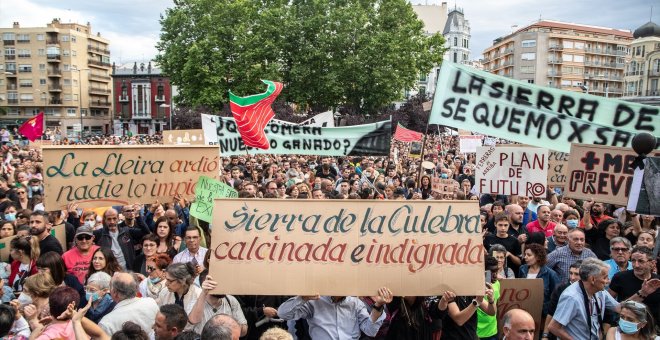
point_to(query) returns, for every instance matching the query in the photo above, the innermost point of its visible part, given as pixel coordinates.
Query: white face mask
(24, 299)
(90, 224)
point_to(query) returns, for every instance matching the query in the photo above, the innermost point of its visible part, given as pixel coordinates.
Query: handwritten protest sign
(525, 294)
(416, 248)
(600, 172)
(96, 176)
(475, 100)
(557, 164)
(183, 137)
(368, 139)
(512, 171)
(468, 144)
(444, 185)
(206, 190)
(415, 150)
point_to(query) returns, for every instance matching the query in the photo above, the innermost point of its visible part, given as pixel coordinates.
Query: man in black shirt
(639, 284)
(39, 229)
(509, 242)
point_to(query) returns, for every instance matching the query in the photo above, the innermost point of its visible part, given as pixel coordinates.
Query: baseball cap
(85, 229)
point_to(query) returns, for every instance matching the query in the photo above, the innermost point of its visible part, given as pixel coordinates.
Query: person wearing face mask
(154, 283)
(34, 187)
(10, 213)
(78, 258)
(96, 290)
(635, 322)
(571, 219)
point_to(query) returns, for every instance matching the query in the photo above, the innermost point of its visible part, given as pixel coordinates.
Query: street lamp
(80, 98)
(166, 106)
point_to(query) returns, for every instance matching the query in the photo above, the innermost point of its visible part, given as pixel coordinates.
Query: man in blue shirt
(337, 317)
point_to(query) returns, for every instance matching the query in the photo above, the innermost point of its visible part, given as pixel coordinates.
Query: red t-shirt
(77, 264)
(535, 227)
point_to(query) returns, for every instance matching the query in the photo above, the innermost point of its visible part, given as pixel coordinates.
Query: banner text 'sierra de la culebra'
(416, 248)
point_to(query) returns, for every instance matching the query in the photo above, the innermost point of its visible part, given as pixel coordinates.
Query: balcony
(653, 93)
(99, 103)
(508, 51)
(55, 73)
(123, 99)
(23, 41)
(160, 98)
(97, 90)
(8, 42)
(10, 73)
(11, 87)
(12, 101)
(634, 73)
(654, 73)
(25, 85)
(55, 88)
(554, 74)
(554, 47)
(55, 102)
(97, 63)
(555, 61)
(53, 58)
(25, 70)
(52, 41)
(141, 116)
(99, 76)
(97, 49)
(10, 57)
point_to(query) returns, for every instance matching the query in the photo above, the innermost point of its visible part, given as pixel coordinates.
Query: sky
(133, 26)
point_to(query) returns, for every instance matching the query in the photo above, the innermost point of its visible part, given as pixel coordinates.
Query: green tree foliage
(358, 55)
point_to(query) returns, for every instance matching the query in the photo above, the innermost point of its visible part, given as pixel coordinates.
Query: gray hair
(591, 267)
(101, 279)
(183, 272)
(620, 239)
(496, 248)
(124, 289)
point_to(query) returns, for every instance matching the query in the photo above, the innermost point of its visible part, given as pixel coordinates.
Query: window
(528, 56)
(455, 57)
(66, 98)
(73, 53)
(11, 67)
(42, 67)
(24, 53)
(160, 87)
(422, 89)
(567, 57)
(65, 38)
(71, 112)
(25, 82)
(27, 97)
(42, 81)
(565, 83)
(52, 50)
(567, 44)
(66, 53)
(66, 67)
(73, 38)
(8, 36)
(67, 82)
(578, 58)
(24, 68)
(577, 83)
(579, 45)
(41, 37)
(41, 52)
(455, 41)
(24, 37)
(529, 43)
(527, 69)
(530, 81)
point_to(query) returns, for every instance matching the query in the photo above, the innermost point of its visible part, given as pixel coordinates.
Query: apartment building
(62, 69)
(643, 66)
(568, 56)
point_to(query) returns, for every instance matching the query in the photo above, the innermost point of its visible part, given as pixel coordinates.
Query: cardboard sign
(415, 150)
(444, 186)
(206, 190)
(468, 144)
(39, 143)
(359, 140)
(96, 176)
(600, 172)
(644, 195)
(183, 137)
(470, 99)
(512, 171)
(328, 247)
(557, 164)
(525, 294)
(59, 232)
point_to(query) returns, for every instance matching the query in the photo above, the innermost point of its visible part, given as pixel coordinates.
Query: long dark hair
(111, 264)
(53, 261)
(169, 239)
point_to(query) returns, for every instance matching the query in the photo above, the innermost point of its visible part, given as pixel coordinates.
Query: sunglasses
(150, 268)
(84, 237)
(20, 192)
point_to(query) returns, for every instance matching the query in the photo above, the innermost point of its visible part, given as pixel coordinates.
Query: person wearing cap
(78, 258)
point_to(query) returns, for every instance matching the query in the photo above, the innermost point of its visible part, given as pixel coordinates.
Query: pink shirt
(535, 227)
(77, 264)
(63, 330)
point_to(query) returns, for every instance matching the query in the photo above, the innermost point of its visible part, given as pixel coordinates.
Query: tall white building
(457, 35)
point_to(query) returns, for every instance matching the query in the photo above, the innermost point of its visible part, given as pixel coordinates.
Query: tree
(355, 55)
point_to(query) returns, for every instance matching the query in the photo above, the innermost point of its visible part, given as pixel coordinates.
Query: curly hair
(539, 252)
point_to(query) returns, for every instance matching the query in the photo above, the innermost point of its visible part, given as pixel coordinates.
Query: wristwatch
(379, 309)
(475, 303)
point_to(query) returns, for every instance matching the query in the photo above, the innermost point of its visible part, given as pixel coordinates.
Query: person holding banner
(337, 317)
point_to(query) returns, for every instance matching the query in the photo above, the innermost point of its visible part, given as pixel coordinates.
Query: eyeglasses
(20, 192)
(620, 249)
(150, 268)
(83, 237)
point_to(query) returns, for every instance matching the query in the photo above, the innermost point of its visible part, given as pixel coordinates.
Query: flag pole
(421, 168)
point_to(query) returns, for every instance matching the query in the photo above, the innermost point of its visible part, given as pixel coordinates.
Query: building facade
(62, 70)
(457, 35)
(142, 100)
(568, 56)
(643, 66)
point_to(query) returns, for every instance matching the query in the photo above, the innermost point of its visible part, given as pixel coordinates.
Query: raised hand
(384, 297)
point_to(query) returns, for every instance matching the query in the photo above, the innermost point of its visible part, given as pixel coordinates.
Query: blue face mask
(155, 280)
(572, 224)
(443, 176)
(11, 217)
(628, 327)
(92, 296)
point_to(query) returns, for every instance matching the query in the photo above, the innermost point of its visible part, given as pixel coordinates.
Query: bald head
(123, 286)
(172, 216)
(222, 327)
(515, 213)
(518, 325)
(110, 219)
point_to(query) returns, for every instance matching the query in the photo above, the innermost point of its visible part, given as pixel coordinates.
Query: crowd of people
(141, 270)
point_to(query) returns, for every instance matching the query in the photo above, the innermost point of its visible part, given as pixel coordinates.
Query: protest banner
(206, 190)
(468, 144)
(96, 176)
(183, 137)
(328, 247)
(557, 164)
(467, 98)
(600, 172)
(525, 294)
(359, 140)
(415, 150)
(444, 185)
(644, 194)
(323, 119)
(512, 171)
(59, 232)
(39, 143)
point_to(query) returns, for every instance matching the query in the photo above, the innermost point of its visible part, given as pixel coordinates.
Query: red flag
(404, 135)
(252, 114)
(33, 128)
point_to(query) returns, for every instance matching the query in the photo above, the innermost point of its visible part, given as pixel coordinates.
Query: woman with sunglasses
(78, 258)
(635, 322)
(23, 200)
(103, 260)
(155, 281)
(25, 251)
